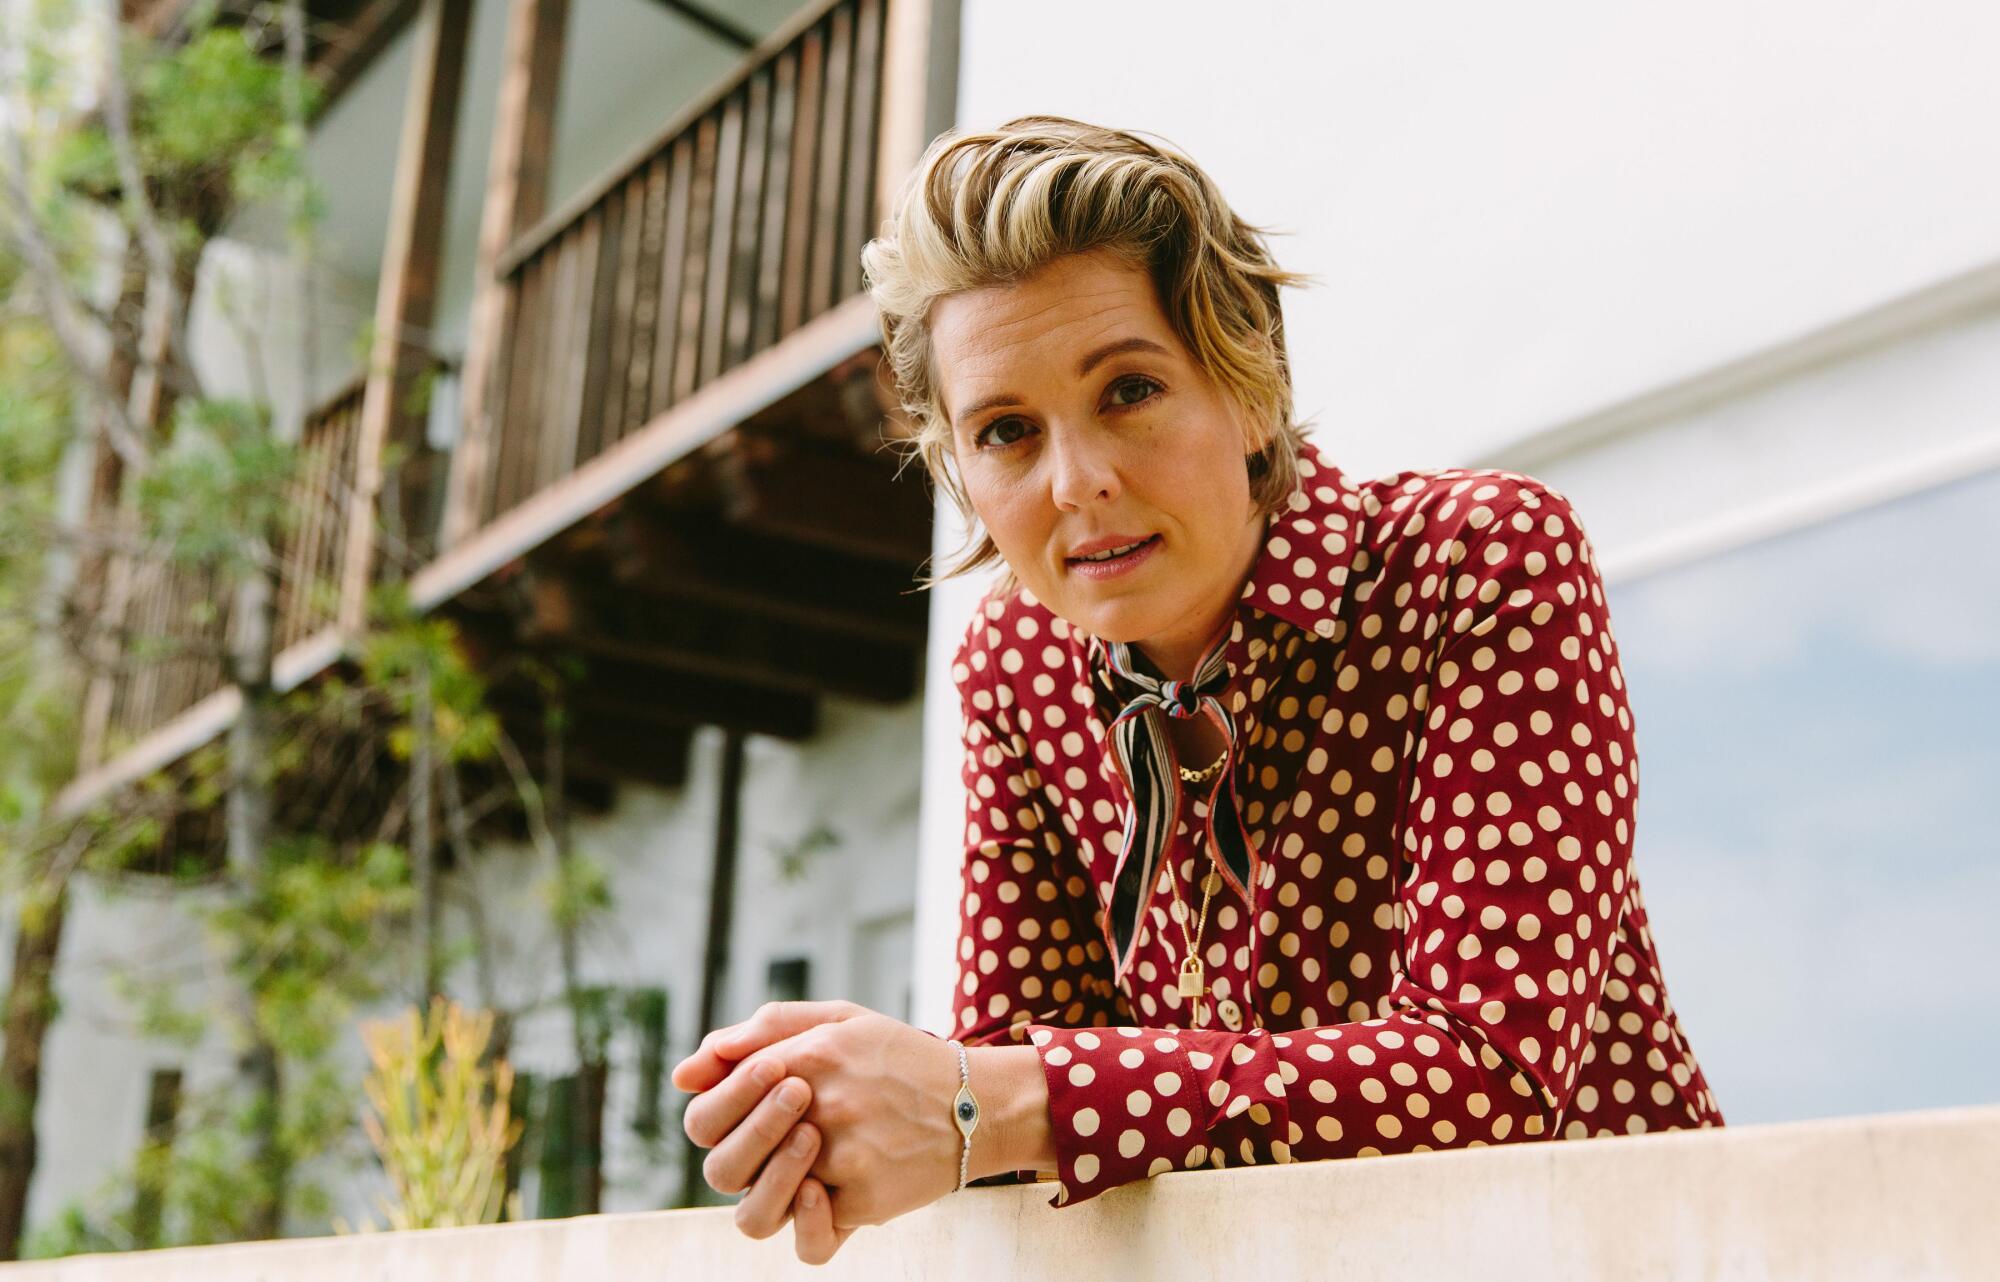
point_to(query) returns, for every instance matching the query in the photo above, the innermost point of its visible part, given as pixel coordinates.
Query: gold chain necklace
(1192, 983)
(1208, 771)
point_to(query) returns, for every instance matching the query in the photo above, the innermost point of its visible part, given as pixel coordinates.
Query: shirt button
(1231, 1013)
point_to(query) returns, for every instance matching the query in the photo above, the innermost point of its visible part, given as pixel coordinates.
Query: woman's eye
(1006, 431)
(1132, 391)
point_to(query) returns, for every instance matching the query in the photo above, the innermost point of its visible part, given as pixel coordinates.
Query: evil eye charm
(965, 1111)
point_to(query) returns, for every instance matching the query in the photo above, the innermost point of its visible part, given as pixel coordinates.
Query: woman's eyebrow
(988, 403)
(1091, 360)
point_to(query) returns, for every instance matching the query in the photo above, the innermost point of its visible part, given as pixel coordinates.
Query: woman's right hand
(751, 1123)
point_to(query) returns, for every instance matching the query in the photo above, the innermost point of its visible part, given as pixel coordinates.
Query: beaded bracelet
(964, 1111)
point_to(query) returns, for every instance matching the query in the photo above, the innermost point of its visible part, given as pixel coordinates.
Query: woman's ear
(1259, 449)
(1258, 465)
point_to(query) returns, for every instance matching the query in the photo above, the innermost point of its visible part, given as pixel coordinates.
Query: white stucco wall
(1523, 213)
(95, 1066)
(847, 915)
(857, 777)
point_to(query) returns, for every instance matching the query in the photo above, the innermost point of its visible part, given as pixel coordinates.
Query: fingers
(736, 1159)
(813, 1236)
(768, 1204)
(773, 1022)
(711, 1115)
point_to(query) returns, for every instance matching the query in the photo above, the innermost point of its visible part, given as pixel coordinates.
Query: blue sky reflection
(1818, 724)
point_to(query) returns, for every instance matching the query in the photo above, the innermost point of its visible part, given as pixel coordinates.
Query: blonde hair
(992, 208)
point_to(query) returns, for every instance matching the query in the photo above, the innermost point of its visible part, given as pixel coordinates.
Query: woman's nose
(1083, 470)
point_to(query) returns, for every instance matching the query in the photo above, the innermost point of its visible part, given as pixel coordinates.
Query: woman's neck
(1178, 651)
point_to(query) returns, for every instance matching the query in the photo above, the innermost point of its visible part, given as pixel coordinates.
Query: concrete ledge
(1903, 1196)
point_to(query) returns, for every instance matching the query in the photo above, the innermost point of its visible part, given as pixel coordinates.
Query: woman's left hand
(881, 1100)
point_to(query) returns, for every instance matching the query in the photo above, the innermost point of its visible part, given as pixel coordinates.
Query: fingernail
(809, 1196)
(765, 1073)
(792, 1094)
(801, 1141)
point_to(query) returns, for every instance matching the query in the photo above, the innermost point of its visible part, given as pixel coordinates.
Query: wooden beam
(517, 183)
(407, 295)
(579, 608)
(721, 922)
(908, 104)
(696, 590)
(637, 693)
(191, 729)
(644, 696)
(830, 498)
(673, 435)
(812, 671)
(670, 568)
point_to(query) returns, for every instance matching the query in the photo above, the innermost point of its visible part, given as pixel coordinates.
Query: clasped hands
(830, 1115)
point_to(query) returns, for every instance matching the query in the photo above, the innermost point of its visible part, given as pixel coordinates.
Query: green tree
(174, 140)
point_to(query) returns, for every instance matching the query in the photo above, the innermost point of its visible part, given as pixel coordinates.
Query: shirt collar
(1311, 547)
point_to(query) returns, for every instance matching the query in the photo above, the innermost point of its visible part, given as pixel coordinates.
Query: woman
(1300, 805)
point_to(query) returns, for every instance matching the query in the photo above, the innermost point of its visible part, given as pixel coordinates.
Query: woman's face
(1083, 427)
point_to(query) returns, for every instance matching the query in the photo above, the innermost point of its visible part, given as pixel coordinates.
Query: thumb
(773, 1022)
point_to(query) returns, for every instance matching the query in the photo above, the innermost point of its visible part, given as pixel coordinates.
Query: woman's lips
(1113, 567)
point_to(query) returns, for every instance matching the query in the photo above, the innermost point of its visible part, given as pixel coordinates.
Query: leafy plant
(440, 1123)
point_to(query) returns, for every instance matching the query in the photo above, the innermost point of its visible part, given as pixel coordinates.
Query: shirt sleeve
(1514, 840)
(1029, 949)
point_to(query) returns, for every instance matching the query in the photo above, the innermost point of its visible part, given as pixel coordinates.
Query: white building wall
(857, 778)
(1715, 272)
(96, 1067)
(847, 915)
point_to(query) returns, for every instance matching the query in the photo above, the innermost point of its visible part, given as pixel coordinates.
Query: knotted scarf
(1145, 757)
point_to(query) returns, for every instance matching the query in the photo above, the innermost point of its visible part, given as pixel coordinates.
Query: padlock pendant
(1191, 984)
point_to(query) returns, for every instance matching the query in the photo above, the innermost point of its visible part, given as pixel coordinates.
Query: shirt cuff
(1123, 1105)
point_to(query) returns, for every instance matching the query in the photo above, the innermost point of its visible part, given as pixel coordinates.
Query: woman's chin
(1125, 619)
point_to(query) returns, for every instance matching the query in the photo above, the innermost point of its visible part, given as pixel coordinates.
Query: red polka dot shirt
(1441, 941)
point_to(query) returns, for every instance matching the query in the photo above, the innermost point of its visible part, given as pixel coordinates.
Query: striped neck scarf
(1145, 756)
